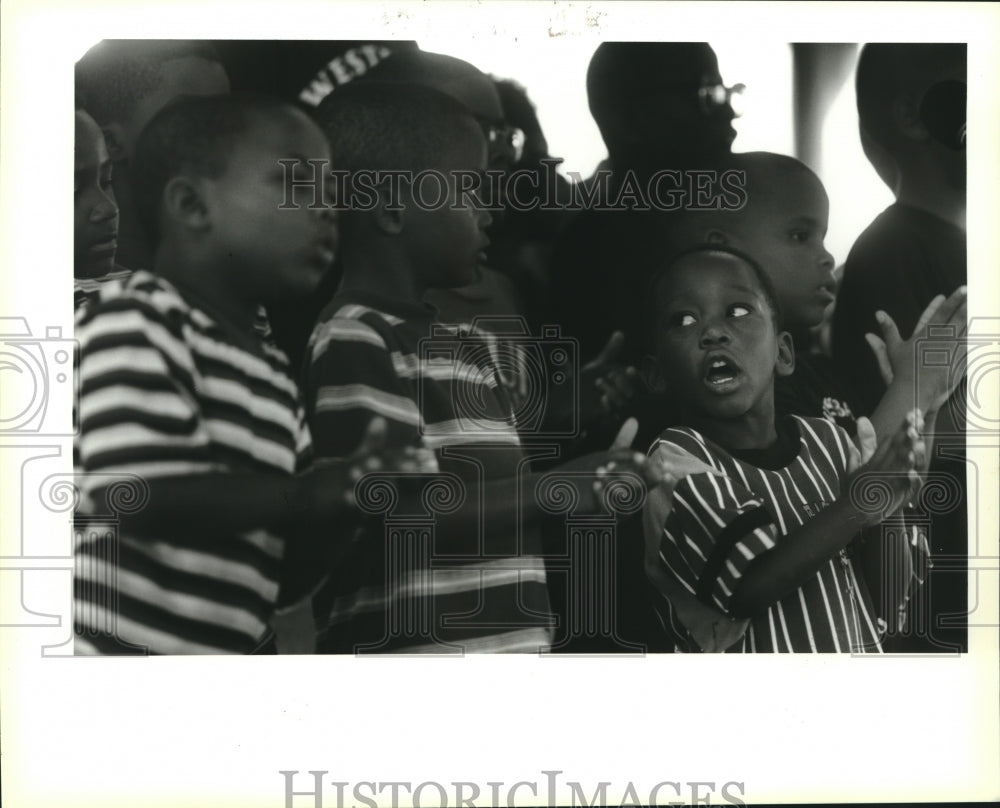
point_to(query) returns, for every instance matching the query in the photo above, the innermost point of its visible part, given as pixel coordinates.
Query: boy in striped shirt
(186, 407)
(756, 555)
(783, 225)
(479, 584)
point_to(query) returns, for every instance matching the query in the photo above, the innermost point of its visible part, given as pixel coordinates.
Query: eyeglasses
(503, 142)
(712, 97)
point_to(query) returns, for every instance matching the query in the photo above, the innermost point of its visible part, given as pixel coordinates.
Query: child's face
(95, 214)
(717, 348)
(784, 230)
(274, 253)
(447, 246)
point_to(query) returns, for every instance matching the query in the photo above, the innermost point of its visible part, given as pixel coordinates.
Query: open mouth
(721, 372)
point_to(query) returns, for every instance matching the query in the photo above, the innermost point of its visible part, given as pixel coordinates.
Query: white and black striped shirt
(718, 525)
(167, 391)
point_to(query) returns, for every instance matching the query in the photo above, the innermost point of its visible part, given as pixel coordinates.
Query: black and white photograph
(446, 383)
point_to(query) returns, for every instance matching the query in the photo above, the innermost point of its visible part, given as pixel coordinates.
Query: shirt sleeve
(138, 410)
(715, 528)
(350, 380)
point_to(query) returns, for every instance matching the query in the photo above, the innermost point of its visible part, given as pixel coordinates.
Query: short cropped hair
(651, 314)
(192, 135)
(116, 74)
(765, 175)
(392, 126)
(887, 70)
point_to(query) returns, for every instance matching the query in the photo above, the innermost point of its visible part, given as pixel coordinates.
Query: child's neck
(380, 270)
(752, 430)
(206, 287)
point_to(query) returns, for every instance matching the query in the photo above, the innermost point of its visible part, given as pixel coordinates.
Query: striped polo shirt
(166, 390)
(411, 583)
(718, 525)
(87, 289)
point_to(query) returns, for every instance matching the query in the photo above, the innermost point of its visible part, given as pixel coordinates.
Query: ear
(389, 213)
(906, 117)
(184, 202)
(785, 363)
(649, 372)
(114, 138)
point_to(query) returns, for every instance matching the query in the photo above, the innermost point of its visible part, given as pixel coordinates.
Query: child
(181, 399)
(758, 551)
(782, 226)
(124, 83)
(481, 586)
(95, 213)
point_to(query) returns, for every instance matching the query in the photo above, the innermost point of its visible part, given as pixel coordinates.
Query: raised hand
(897, 358)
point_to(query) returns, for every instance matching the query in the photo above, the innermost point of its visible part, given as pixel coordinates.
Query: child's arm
(222, 503)
(352, 376)
(708, 627)
(778, 572)
(500, 501)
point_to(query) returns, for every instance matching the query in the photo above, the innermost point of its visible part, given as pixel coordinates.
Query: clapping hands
(944, 321)
(890, 471)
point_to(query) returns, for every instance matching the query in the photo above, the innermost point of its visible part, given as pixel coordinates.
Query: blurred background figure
(659, 105)
(522, 239)
(912, 114)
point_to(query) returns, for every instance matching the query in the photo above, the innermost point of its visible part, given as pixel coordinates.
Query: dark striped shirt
(87, 289)
(438, 388)
(718, 525)
(168, 391)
